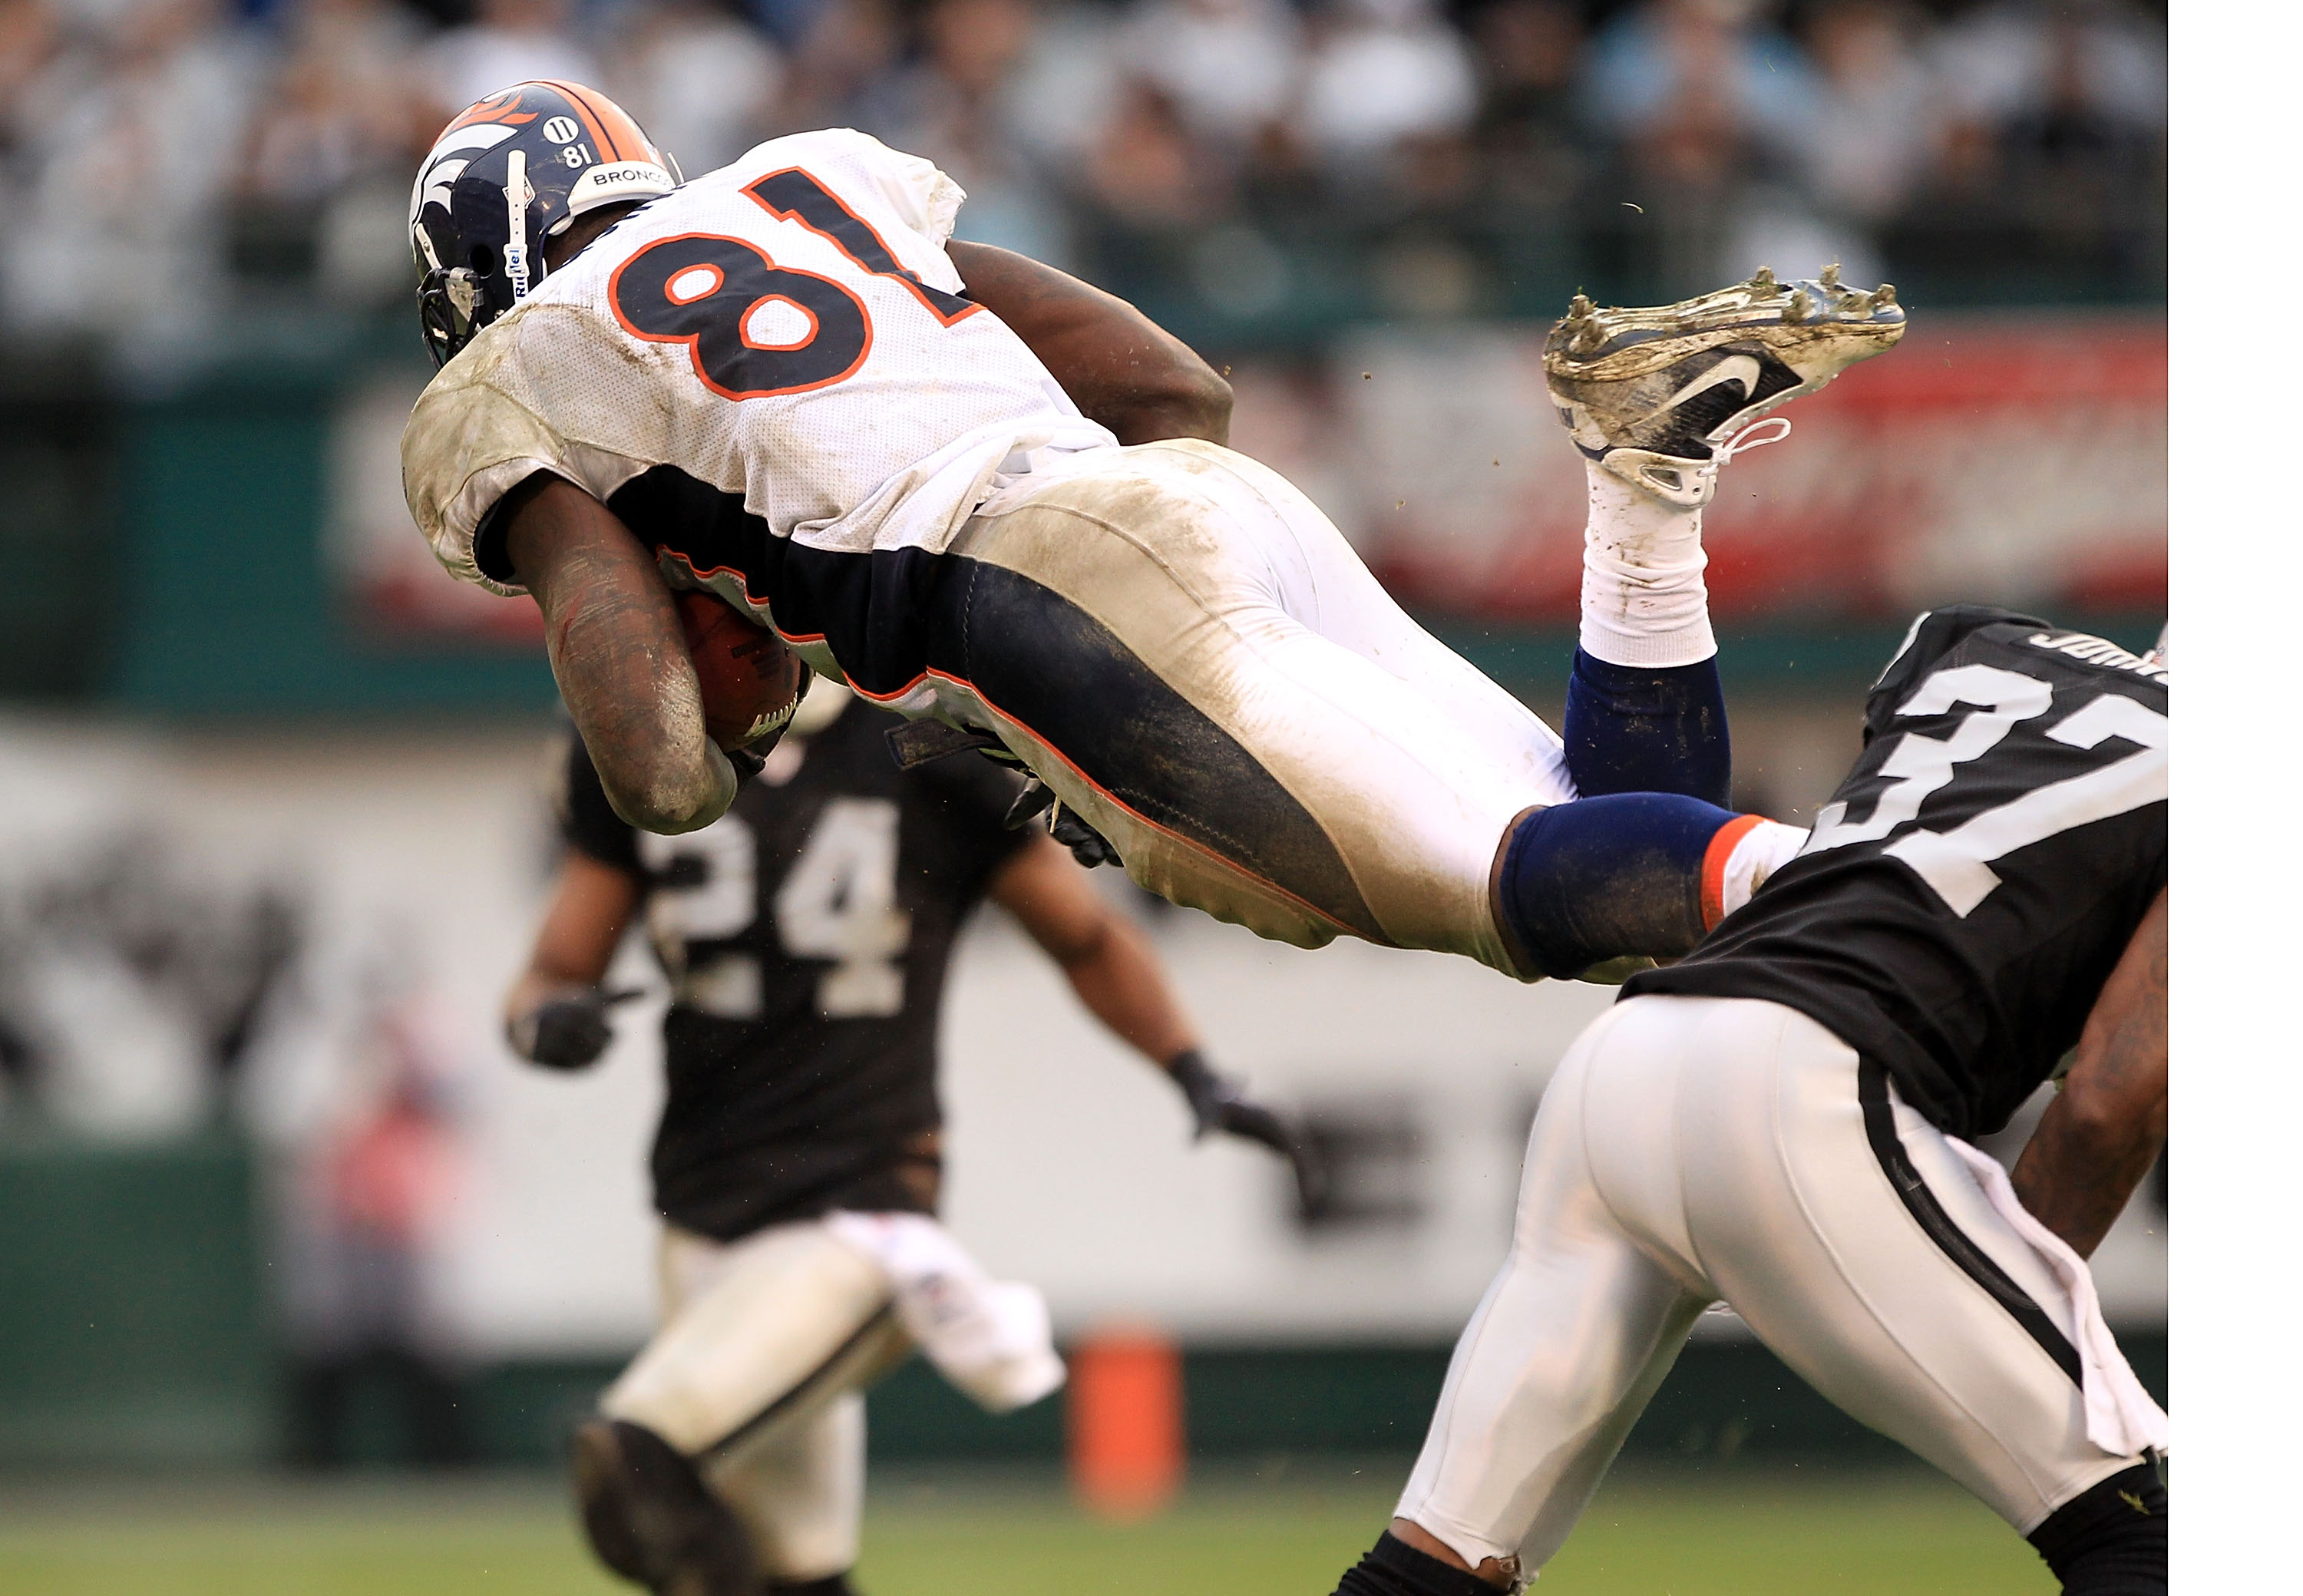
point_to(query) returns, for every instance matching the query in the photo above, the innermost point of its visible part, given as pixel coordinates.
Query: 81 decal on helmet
(511, 172)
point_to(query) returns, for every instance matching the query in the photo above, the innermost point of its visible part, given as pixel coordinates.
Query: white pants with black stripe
(1695, 1149)
(757, 1374)
(1269, 737)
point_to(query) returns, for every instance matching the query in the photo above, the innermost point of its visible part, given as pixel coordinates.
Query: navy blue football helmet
(511, 172)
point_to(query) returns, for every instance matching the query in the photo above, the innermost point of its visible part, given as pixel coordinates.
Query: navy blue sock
(1604, 877)
(1645, 729)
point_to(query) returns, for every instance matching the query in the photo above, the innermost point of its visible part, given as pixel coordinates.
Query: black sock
(2112, 1539)
(1395, 1568)
(830, 1584)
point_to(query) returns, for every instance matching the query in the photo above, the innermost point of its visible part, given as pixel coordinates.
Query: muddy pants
(1186, 650)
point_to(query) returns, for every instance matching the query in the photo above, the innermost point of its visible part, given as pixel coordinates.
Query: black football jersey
(1969, 887)
(805, 933)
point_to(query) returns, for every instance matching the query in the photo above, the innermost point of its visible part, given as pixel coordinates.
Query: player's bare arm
(1107, 959)
(555, 1013)
(619, 657)
(1112, 966)
(2101, 1136)
(1122, 369)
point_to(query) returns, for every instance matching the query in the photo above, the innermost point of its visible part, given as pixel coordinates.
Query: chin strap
(516, 234)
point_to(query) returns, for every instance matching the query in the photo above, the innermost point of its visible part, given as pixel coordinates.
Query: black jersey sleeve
(969, 797)
(587, 821)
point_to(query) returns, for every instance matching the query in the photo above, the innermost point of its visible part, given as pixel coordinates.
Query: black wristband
(1189, 1070)
(1202, 1087)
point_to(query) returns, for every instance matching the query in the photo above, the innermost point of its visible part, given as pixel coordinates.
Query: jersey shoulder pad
(1933, 634)
(917, 192)
(547, 388)
(467, 443)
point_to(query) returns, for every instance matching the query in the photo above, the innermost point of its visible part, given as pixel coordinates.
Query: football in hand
(751, 680)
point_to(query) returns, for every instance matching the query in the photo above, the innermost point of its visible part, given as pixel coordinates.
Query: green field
(1895, 1532)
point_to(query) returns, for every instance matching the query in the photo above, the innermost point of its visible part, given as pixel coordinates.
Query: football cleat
(1662, 397)
(650, 1517)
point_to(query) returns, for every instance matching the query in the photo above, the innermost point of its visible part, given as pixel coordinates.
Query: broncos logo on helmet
(512, 171)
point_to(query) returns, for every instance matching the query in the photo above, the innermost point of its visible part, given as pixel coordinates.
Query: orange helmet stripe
(624, 130)
(501, 107)
(620, 137)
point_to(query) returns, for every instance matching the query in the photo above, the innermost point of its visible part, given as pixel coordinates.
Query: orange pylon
(1125, 1412)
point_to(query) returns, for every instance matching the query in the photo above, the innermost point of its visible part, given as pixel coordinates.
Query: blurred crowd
(165, 160)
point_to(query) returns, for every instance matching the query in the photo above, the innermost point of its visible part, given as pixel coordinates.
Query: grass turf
(1883, 1534)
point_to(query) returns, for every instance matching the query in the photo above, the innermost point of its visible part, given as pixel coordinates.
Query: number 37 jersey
(772, 376)
(1973, 882)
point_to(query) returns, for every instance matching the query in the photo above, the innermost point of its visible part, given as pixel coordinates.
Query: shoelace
(1736, 445)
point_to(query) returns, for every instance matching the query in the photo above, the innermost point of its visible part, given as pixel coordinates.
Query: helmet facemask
(447, 303)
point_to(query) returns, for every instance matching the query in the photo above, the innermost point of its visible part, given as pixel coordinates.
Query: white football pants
(1200, 666)
(1693, 1149)
(757, 1374)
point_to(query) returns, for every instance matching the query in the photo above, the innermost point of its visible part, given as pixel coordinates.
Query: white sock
(1762, 851)
(1644, 602)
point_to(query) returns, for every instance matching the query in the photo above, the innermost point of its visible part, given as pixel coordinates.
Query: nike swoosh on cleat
(1735, 369)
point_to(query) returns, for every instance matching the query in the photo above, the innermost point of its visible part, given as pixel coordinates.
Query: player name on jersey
(2096, 651)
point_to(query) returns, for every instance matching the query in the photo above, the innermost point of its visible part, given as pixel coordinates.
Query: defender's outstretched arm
(1109, 962)
(1121, 367)
(2105, 1127)
(619, 656)
(1112, 966)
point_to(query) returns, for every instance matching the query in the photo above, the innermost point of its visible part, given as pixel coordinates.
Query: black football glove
(1219, 1104)
(569, 1030)
(1065, 825)
(1087, 844)
(747, 763)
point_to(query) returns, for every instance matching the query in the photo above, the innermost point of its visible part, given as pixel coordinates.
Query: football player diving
(797, 1163)
(1781, 1122)
(984, 494)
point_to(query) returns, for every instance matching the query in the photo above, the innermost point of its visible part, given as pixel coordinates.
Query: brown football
(751, 680)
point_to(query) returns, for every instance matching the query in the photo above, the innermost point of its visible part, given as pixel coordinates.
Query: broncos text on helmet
(512, 171)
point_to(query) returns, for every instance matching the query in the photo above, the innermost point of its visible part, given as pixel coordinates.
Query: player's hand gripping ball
(751, 681)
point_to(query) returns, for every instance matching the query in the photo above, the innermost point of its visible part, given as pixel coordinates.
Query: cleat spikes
(1829, 275)
(1886, 296)
(1656, 396)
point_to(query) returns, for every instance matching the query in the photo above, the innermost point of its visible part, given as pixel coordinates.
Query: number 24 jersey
(807, 933)
(773, 376)
(1973, 882)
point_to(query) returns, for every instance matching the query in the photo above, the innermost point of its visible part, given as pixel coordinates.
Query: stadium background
(272, 828)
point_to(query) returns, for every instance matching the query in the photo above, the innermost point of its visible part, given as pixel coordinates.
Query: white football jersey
(771, 375)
